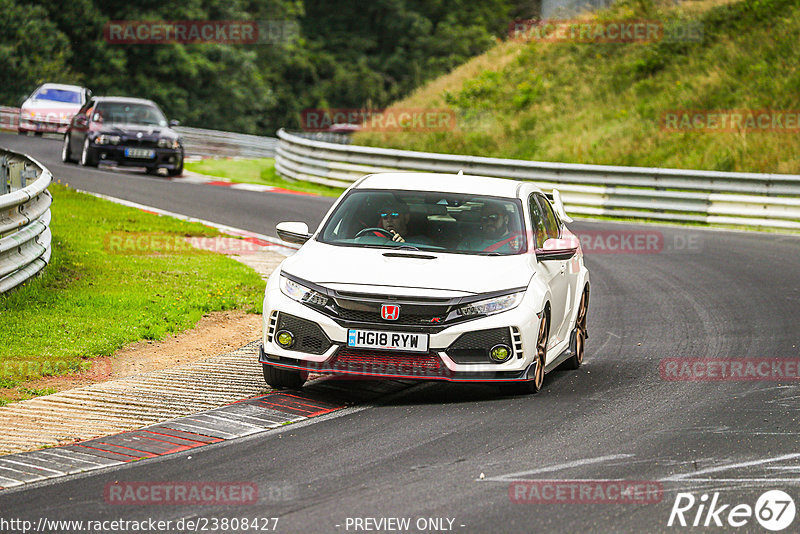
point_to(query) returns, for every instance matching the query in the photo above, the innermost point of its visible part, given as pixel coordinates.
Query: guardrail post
(27, 174)
(4, 185)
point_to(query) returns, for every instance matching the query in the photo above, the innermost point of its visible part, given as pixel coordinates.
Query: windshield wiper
(413, 256)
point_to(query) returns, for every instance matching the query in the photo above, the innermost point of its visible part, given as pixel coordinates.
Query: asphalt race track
(439, 450)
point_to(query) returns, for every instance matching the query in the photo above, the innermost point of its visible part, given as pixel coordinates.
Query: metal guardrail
(214, 143)
(768, 200)
(25, 240)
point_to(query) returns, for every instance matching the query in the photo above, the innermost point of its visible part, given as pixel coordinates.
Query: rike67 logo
(774, 510)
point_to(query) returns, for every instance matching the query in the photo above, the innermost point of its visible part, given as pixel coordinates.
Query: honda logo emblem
(390, 312)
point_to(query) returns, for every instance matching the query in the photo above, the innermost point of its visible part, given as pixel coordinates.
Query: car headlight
(167, 142)
(301, 293)
(27, 115)
(107, 140)
(492, 305)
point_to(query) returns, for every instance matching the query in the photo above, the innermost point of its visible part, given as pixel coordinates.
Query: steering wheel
(386, 233)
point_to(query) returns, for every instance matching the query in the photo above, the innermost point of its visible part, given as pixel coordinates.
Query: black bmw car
(123, 131)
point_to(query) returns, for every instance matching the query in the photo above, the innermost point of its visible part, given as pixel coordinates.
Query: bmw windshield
(421, 220)
(125, 113)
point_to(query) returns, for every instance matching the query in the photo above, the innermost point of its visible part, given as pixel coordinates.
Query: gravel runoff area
(135, 401)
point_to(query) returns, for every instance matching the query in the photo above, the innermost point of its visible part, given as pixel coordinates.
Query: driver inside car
(393, 218)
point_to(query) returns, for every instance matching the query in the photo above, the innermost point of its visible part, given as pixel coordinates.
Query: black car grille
(375, 317)
(473, 347)
(139, 143)
(308, 336)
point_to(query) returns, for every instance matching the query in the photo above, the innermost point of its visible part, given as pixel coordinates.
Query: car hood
(360, 269)
(37, 105)
(131, 130)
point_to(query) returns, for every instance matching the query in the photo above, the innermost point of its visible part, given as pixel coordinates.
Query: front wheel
(87, 158)
(66, 155)
(177, 171)
(535, 385)
(283, 378)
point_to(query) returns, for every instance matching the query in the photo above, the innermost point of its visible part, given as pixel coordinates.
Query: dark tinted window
(549, 217)
(537, 222)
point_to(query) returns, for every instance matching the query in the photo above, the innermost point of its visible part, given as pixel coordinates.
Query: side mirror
(558, 249)
(293, 232)
(558, 204)
(80, 120)
(174, 123)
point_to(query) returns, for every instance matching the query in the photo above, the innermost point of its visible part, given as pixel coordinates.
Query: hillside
(606, 103)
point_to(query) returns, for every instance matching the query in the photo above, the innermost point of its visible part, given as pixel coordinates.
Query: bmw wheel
(87, 158)
(66, 156)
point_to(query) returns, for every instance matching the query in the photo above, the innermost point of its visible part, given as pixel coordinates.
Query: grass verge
(117, 275)
(256, 171)
(604, 103)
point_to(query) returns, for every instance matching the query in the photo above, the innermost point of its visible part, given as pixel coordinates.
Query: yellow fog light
(285, 339)
(500, 353)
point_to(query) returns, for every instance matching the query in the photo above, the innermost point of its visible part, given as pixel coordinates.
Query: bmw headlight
(301, 293)
(492, 305)
(107, 139)
(168, 142)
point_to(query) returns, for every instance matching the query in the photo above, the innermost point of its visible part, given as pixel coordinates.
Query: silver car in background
(50, 108)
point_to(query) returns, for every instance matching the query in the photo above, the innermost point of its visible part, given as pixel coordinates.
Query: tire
(535, 385)
(22, 132)
(87, 158)
(66, 156)
(579, 334)
(177, 171)
(283, 378)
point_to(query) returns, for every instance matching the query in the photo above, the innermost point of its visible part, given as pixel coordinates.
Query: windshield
(126, 113)
(58, 95)
(443, 222)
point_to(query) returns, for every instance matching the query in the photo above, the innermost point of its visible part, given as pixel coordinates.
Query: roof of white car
(453, 183)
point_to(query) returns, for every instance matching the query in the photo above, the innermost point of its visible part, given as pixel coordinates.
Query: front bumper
(165, 158)
(43, 126)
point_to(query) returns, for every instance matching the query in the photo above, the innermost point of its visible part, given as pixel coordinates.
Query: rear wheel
(283, 378)
(580, 333)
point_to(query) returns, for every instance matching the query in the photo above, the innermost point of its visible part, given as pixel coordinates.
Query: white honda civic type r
(432, 277)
